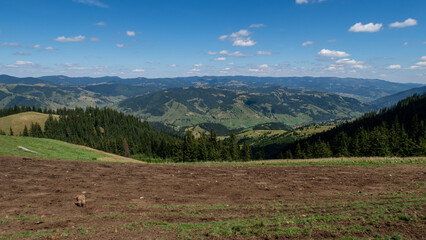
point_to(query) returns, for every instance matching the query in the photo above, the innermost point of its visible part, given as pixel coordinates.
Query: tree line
(397, 131)
(112, 131)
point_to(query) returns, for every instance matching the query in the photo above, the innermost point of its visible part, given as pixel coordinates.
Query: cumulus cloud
(130, 33)
(195, 70)
(119, 45)
(36, 46)
(49, 48)
(370, 27)
(138, 70)
(220, 59)
(10, 44)
(239, 39)
(407, 23)
(198, 65)
(257, 25)
(332, 53)
(70, 39)
(423, 58)
(96, 3)
(100, 24)
(263, 66)
(307, 43)
(264, 53)
(395, 66)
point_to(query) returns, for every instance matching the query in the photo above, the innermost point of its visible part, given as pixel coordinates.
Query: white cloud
(172, 65)
(422, 64)
(21, 53)
(22, 64)
(70, 39)
(130, 33)
(301, 1)
(307, 1)
(257, 25)
(263, 66)
(396, 66)
(370, 27)
(195, 70)
(352, 63)
(332, 40)
(36, 46)
(234, 54)
(405, 43)
(93, 39)
(240, 38)
(307, 43)
(423, 58)
(407, 23)
(332, 53)
(96, 3)
(264, 53)
(254, 70)
(227, 69)
(223, 37)
(231, 63)
(220, 59)
(49, 48)
(10, 44)
(138, 70)
(211, 53)
(119, 45)
(101, 24)
(198, 65)
(244, 42)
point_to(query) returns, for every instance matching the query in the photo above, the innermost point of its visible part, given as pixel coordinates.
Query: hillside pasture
(18, 121)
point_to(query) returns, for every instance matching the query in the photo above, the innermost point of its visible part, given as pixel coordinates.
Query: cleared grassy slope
(18, 121)
(54, 149)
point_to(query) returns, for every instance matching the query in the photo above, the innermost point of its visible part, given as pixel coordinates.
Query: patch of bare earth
(146, 201)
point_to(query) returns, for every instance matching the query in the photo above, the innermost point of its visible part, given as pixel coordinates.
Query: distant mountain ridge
(189, 106)
(362, 89)
(393, 99)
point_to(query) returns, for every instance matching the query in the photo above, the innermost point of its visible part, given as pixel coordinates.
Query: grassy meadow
(18, 121)
(54, 149)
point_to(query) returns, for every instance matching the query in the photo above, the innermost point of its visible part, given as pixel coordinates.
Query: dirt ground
(37, 198)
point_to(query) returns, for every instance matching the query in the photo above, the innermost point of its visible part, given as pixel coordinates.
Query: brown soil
(47, 189)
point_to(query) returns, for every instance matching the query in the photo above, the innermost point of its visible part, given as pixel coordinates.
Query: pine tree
(25, 132)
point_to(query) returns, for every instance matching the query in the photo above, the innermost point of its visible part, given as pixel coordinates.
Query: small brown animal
(80, 200)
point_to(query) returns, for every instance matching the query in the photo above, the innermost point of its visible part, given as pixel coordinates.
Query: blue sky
(383, 39)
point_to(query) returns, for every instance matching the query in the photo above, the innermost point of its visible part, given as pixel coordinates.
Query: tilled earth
(151, 201)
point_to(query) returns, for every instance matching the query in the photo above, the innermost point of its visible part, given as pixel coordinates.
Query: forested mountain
(50, 96)
(363, 89)
(239, 109)
(393, 99)
(398, 131)
(114, 132)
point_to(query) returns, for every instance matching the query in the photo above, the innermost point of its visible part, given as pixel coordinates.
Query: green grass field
(54, 149)
(18, 121)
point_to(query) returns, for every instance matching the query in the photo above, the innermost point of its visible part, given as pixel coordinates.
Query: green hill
(398, 131)
(54, 149)
(393, 99)
(185, 107)
(18, 121)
